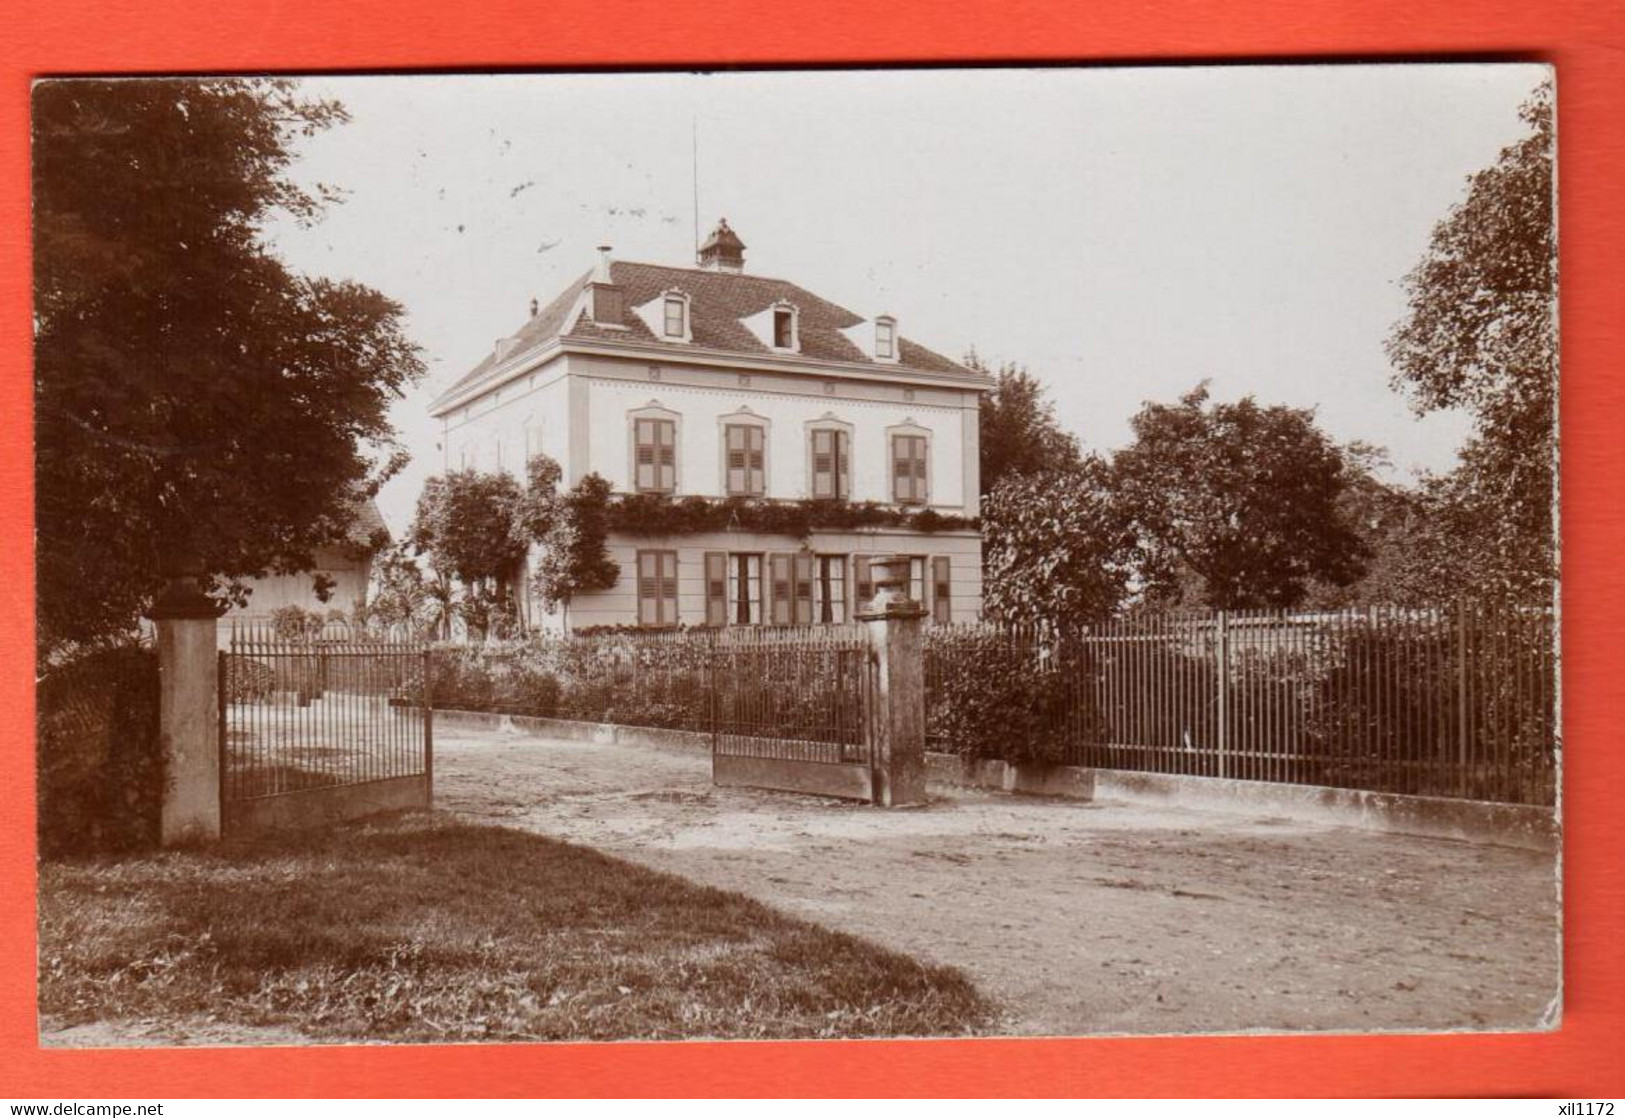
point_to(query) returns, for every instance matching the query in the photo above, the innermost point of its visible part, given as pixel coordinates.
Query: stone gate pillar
(188, 711)
(894, 624)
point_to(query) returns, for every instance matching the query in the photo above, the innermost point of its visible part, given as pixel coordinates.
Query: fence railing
(791, 694)
(1457, 702)
(319, 710)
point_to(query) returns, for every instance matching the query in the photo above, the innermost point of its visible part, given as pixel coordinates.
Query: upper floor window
(675, 324)
(745, 447)
(909, 464)
(886, 338)
(831, 463)
(654, 455)
(786, 333)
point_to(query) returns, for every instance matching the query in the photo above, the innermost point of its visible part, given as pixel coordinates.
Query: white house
(345, 570)
(713, 382)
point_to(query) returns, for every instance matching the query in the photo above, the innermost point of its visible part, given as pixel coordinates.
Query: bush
(100, 762)
(993, 697)
(631, 680)
(249, 681)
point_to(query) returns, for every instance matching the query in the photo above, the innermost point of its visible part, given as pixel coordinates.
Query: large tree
(1019, 435)
(569, 530)
(465, 523)
(1237, 506)
(197, 403)
(1057, 548)
(1480, 333)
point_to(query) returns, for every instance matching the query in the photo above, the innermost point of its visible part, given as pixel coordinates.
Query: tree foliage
(1056, 548)
(574, 554)
(1237, 505)
(1480, 333)
(464, 523)
(196, 402)
(1019, 433)
(401, 598)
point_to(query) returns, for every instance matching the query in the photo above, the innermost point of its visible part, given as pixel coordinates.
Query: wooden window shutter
(863, 580)
(668, 587)
(755, 460)
(803, 569)
(941, 590)
(902, 485)
(648, 588)
(823, 463)
(843, 465)
(779, 578)
(908, 469)
(666, 441)
(735, 436)
(716, 588)
(644, 437)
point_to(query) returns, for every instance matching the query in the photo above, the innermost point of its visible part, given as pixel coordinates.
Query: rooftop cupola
(723, 251)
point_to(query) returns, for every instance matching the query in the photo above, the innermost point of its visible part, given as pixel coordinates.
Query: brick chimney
(605, 301)
(723, 251)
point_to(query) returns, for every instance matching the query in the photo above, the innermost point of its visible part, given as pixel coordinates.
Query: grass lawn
(420, 928)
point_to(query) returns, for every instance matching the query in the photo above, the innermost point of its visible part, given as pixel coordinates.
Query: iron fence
(320, 710)
(791, 694)
(1457, 701)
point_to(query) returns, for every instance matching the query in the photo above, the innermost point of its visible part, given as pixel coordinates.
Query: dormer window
(676, 326)
(885, 338)
(786, 327)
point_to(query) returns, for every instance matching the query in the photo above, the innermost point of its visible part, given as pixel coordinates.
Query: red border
(1584, 38)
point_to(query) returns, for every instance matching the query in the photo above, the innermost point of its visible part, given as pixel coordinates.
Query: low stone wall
(815, 778)
(1533, 828)
(1520, 825)
(1069, 781)
(316, 807)
(567, 729)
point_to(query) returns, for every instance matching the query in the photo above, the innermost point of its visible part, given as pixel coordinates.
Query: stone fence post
(188, 718)
(894, 623)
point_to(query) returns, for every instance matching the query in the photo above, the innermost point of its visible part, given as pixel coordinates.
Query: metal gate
(791, 711)
(321, 726)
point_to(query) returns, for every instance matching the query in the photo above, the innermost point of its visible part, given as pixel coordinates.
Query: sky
(1122, 233)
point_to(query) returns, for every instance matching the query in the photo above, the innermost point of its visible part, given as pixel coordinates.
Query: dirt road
(1079, 918)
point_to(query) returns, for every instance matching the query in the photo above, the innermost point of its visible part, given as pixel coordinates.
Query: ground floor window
(916, 578)
(744, 589)
(829, 589)
(657, 588)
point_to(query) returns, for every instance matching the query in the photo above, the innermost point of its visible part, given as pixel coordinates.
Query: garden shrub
(993, 698)
(100, 762)
(607, 678)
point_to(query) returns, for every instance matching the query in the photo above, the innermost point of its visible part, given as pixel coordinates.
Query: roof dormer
(785, 327)
(676, 315)
(886, 343)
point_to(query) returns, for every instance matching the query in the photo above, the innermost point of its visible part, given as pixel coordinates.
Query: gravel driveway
(1078, 918)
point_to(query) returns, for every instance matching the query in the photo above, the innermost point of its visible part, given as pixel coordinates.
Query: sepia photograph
(797, 554)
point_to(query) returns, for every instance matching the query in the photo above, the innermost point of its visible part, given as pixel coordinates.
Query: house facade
(708, 381)
(344, 569)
